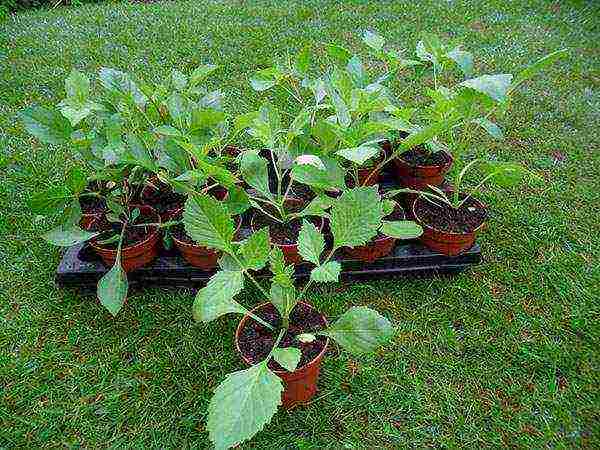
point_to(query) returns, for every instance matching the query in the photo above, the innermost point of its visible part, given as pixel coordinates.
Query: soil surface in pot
(280, 233)
(256, 341)
(444, 218)
(420, 157)
(163, 199)
(133, 235)
(92, 205)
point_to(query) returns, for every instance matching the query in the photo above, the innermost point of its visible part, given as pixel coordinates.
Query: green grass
(506, 354)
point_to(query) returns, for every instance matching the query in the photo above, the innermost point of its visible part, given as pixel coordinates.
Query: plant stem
(307, 285)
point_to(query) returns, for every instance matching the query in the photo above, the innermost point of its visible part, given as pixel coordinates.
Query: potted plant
(283, 340)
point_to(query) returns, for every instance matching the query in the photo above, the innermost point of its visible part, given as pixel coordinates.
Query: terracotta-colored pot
(446, 242)
(134, 256)
(419, 177)
(372, 251)
(300, 385)
(199, 256)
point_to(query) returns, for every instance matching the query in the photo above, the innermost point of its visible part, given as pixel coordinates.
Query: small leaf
(67, 235)
(76, 180)
(311, 243)
(331, 178)
(264, 79)
(277, 261)
(493, 130)
(504, 174)
(287, 357)
(216, 298)
(49, 126)
(208, 222)
(242, 405)
(339, 54)
(168, 130)
(402, 229)
(360, 330)
(179, 80)
(359, 155)
(283, 294)
(117, 81)
(311, 160)
(341, 109)
(303, 60)
(255, 250)
(539, 65)
(200, 73)
(253, 169)
(494, 86)
(463, 59)
(112, 287)
(328, 272)
(237, 201)
(357, 71)
(306, 338)
(373, 40)
(355, 217)
(317, 206)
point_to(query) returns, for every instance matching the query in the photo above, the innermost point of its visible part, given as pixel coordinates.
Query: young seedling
(248, 399)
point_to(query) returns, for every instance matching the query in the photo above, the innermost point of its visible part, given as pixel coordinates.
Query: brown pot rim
(416, 166)
(426, 225)
(149, 238)
(278, 372)
(193, 245)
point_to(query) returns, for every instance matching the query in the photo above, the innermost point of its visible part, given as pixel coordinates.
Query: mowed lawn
(506, 354)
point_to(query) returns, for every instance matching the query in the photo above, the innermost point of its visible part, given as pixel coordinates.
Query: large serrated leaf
(330, 178)
(327, 273)
(216, 298)
(355, 217)
(494, 86)
(310, 243)
(360, 330)
(255, 250)
(208, 222)
(242, 405)
(287, 357)
(47, 125)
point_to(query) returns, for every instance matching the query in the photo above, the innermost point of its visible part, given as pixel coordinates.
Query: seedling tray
(81, 268)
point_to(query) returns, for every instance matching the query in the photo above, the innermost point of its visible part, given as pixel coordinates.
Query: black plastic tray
(80, 268)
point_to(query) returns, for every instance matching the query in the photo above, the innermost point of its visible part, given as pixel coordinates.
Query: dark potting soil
(163, 199)
(280, 233)
(256, 340)
(92, 205)
(420, 157)
(133, 234)
(444, 218)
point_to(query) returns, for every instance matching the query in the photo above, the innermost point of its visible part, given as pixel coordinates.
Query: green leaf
(357, 71)
(208, 222)
(220, 174)
(265, 79)
(50, 201)
(359, 155)
(76, 180)
(317, 206)
(253, 169)
(494, 86)
(425, 134)
(355, 217)
(306, 338)
(339, 54)
(402, 229)
(47, 125)
(277, 261)
(493, 130)
(341, 109)
(168, 130)
(310, 243)
(373, 40)
(360, 330)
(76, 106)
(303, 60)
(255, 250)
(242, 405)
(206, 119)
(311, 160)
(287, 357)
(244, 121)
(328, 272)
(179, 80)
(330, 178)
(112, 287)
(216, 298)
(536, 67)
(66, 235)
(463, 59)
(505, 174)
(200, 73)
(237, 201)
(77, 86)
(283, 295)
(117, 81)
